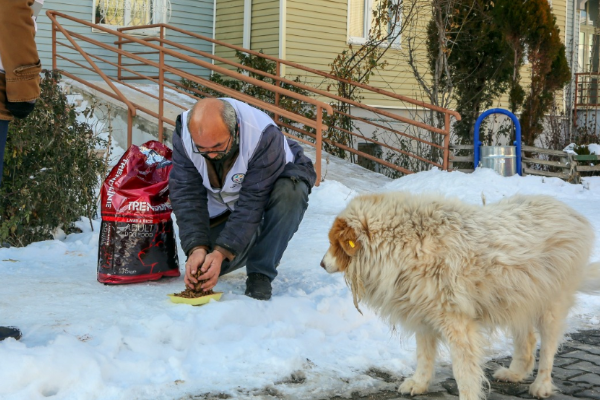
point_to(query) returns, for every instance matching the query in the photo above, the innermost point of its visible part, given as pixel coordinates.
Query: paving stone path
(576, 373)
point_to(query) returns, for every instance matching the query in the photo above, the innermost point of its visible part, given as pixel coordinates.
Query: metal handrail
(325, 94)
(445, 132)
(195, 61)
(300, 67)
(214, 86)
(586, 97)
(83, 53)
(157, 45)
(584, 85)
(56, 26)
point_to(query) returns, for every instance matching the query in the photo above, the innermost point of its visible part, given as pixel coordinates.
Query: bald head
(211, 123)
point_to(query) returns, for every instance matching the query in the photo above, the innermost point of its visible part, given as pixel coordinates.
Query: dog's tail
(591, 279)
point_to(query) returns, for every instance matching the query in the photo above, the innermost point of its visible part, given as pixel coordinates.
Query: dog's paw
(507, 375)
(412, 387)
(542, 389)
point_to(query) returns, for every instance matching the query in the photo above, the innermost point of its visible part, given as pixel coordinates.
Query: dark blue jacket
(189, 196)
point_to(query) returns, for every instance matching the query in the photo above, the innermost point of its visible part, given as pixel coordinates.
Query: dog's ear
(347, 237)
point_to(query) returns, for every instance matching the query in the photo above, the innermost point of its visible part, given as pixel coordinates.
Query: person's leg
(283, 214)
(240, 260)
(6, 331)
(3, 135)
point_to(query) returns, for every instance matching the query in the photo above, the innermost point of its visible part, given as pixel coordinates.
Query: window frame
(141, 32)
(588, 48)
(368, 16)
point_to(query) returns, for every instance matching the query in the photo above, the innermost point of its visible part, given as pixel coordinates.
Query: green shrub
(51, 172)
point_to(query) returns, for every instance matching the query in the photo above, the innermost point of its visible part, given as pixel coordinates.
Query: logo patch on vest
(238, 178)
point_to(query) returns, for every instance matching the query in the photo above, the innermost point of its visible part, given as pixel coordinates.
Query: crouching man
(239, 190)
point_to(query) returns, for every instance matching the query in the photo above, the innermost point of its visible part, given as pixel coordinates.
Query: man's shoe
(258, 286)
(9, 332)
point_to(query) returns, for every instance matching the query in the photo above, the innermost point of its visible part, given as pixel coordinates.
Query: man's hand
(211, 269)
(195, 260)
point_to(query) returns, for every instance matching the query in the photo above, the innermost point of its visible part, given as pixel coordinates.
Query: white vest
(253, 123)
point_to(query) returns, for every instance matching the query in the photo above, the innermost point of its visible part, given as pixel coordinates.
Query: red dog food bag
(137, 241)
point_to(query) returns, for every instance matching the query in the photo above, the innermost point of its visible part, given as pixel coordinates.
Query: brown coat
(19, 55)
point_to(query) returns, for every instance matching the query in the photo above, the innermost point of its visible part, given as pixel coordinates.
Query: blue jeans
(3, 135)
(282, 216)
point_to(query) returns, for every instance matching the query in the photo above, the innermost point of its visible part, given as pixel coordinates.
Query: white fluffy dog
(448, 270)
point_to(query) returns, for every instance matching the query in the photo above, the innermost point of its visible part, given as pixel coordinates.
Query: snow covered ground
(84, 340)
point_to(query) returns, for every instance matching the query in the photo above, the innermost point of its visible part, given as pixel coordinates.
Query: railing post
(319, 144)
(52, 15)
(129, 128)
(119, 61)
(54, 29)
(575, 100)
(277, 72)
(161, 86)
(446, 141)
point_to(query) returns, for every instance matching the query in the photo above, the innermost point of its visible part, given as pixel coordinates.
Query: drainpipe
(282, 32)
(574, 53)
(247, 24)
(214, 28)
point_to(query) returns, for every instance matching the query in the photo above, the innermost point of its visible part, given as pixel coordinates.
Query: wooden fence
(535, 161)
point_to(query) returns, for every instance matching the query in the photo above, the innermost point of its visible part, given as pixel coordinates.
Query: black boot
(9, 332)
(258, 286)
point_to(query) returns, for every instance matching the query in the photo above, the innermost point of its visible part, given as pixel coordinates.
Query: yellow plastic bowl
(198, 301)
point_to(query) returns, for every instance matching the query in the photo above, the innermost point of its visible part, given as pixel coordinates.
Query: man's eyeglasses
(218, 153)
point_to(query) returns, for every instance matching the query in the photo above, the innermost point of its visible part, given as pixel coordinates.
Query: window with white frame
(589, 37)
(121, 13)
(361, 20)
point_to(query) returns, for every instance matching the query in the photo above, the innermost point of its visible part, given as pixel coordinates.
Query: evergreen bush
(51, 171)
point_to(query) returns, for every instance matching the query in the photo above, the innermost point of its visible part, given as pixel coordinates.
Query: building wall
(572, 46)
(229, 27)
(317, 33)
(559, 9)
(265, 27)
(195, 16)
(571, 29)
